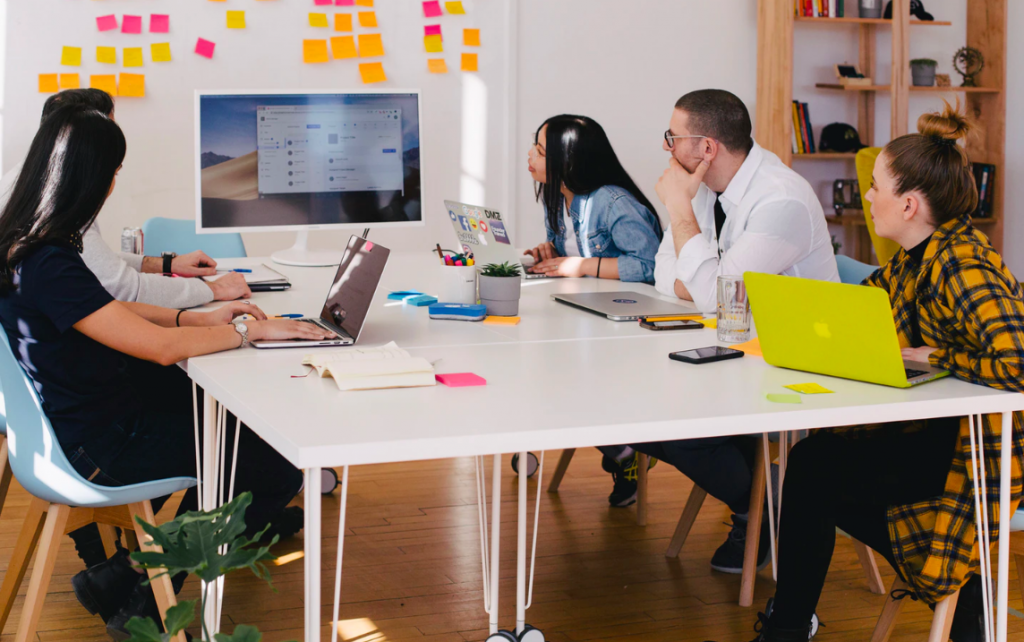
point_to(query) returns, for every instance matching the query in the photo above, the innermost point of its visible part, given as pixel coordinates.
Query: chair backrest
(884, 248)
(852, 270)
(178, 235)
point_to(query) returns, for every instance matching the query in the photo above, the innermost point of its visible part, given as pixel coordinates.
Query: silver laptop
(349, 298)
(483, 232)
(621, 306)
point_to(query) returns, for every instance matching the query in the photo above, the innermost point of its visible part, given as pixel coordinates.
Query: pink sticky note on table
(159, 23)
(106, 23)
(461, 380)
(321, 3)
(432, 9)
(345, 3)
(131, 24)
(432, 30)
(205, 48)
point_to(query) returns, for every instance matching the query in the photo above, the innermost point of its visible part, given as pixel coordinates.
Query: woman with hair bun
(905, 489)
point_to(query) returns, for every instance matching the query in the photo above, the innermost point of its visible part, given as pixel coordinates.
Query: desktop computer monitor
(301, 161)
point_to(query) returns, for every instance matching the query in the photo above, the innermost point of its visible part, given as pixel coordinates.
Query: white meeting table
(562, 378)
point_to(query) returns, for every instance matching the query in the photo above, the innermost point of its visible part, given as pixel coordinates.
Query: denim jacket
(610, 223)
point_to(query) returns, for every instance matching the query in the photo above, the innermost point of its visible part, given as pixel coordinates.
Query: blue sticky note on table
(403, 294)
(421, 300)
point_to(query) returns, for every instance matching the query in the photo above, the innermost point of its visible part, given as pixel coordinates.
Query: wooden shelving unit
(986, 105)
(826, 156)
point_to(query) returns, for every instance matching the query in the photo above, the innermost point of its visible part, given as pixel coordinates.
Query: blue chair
(62, 500)
(179, 236)
(853, 271)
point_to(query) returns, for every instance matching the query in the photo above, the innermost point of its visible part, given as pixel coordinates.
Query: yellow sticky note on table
(781, 398)
(454, 7)
(752, 347)
(471, 37)
(106, 55)
(132, 85)
(318, 20)
(314, 51)
(133, 56)
(367, 19)
(469, 62)
(710, 322)
(433, 44)
(70, 81)
(161, 51)
(104, 82)
(370, 45)
(809, 388)
(343, 47)
(236, 20)
(437, 66)
(372, 72)
(492, 320)
(71, 56)
(48, 84)
(364, 3)
(343, 22)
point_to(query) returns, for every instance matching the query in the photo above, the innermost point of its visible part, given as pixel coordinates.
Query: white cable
(771, 505)
(987, 568)
(341, 546)
(536, 524)
(199, 459)
(978, 520)
(481, 503)
(234, 460)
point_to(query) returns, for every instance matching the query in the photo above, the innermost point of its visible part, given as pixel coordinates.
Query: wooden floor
(412, 568)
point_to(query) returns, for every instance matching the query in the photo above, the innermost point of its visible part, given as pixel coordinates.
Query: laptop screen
(354, 285)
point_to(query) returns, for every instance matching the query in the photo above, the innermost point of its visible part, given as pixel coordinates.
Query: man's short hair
(718, 114)
(86, 98)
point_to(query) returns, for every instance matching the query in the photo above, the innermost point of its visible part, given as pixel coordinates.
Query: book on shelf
(820, 8)
(984, 179)
(803, 132)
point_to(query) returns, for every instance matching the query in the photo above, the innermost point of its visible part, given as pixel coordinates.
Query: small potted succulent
(922, 72)
(500, 287)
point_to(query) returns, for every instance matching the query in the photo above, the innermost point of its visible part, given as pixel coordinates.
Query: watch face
(241, 327)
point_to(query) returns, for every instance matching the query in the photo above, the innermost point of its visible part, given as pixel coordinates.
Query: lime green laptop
(832, 329)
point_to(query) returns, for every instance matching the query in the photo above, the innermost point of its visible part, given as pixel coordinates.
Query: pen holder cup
(458, 284)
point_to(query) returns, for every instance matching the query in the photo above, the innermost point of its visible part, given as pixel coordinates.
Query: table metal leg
(208, 499)
(341, 548)
(312, 551)
(495, 541)
(1003, 576)
(521, 553)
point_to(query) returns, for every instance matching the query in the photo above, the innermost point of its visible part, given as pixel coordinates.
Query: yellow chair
(884, 248)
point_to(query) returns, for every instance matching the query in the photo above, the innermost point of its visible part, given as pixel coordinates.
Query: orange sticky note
(454, 7)
(471, 37)
(133, 56)
(236, 20)
(70, 81)
(318, 20)
(71, 56)
(433, 44)
(104, 82)
(492, 320)
(314, 51)
(343, 22)
(161, 51)
(367, 19)
(469, 62)
(106, 55)
(370, 45)
(48, 84)
(364, 3)
(752, 347)
(133, 85)
(343, 47)
(372, 72)
(437, 66)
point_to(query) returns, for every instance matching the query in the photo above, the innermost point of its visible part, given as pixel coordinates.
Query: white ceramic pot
(501, 294)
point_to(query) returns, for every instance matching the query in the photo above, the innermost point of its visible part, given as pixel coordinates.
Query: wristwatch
(168, 257)
(243, 330)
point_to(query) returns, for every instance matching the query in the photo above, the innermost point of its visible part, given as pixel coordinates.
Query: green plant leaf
(505, 269)
(144, 629)
(180, 615)
(242, 633)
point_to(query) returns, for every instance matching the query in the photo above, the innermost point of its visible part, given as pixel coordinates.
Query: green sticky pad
(809, 388)
(777, 398)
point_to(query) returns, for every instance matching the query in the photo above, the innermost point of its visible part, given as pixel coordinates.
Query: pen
(240, 270)
(288, 316)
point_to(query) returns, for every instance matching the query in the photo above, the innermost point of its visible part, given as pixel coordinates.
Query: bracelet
(177, 319)
(599, 267)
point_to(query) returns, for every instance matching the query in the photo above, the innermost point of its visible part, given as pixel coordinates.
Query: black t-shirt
(917, 255)
(84, 385)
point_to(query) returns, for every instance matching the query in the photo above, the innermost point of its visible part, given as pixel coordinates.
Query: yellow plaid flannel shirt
(970, 307)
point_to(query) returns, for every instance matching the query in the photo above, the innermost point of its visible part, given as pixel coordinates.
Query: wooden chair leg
(1020, 573)
(163, 591)
(131, 542)
(870, 566)
(5, 473)
(754, 517)
(563, 465)
(108, 535)
(642, 463)
(887, 620)
(46, 557)
(686, 520)
(16, 568)
(942, 621)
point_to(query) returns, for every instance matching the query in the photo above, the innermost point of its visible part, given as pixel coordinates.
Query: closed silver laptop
(622, 306)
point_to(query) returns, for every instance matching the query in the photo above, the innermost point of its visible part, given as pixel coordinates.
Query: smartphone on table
(677, 324)
(706, 355)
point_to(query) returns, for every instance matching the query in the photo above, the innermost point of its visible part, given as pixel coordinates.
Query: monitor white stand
(300, 254)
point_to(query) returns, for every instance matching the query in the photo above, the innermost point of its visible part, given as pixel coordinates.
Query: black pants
(158, 442)
(832, 481)
(722, 466)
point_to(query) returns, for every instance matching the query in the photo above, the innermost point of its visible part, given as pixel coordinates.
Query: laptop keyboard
(320, 324)
(913, 374)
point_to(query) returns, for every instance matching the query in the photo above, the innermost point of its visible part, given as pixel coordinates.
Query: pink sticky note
(106, 23)
(432, 30)
(345, 3)
(131, 24)
(432, 9)
(321, 3)
(159, 23)
(461, 380)
(205, 48)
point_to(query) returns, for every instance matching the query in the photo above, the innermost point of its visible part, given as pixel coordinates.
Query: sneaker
(287, 524)
(141, 603)
(106, 587)
(729, 556)
(624, 476)
(768, 633)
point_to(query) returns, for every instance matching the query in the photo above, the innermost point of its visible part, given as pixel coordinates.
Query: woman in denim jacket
(598, 221)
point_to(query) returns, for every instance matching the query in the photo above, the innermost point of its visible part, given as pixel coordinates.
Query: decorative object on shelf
(500, 289)
(916, 10)
(836, 245)
(984, 178)
(942, 80)
(870, 8)
(851, 75)
(840, 137)
(922, 71)
(846, 195)
(968, 62)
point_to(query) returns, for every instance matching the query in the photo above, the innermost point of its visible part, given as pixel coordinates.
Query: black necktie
(719, 215)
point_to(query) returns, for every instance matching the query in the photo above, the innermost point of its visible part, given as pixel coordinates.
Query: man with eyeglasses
(734, 207)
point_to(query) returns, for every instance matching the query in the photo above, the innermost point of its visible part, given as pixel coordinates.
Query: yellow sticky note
(236, 20)
(367, 19)
(469, 62)
(71, 56)
(752, 347)
(364, 3)
(454, 7)
(104, 82)
(809, 388)
(372, 72)
(107, 55)
(314, 51)
(433, 44)
(133, 56)
(48, 84)
(437, 66)
(318, 20)
(471, 37)
(343, 22)
(343, 47)
(490, 320)
(370, 45)
(70, 81)
(710, 322)
(161, 51)
(133, 85)
(779, 398)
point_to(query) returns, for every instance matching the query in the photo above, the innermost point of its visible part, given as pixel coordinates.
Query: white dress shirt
(774, 224)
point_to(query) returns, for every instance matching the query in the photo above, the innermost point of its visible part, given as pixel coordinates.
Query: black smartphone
(706, 355)
(679, 324)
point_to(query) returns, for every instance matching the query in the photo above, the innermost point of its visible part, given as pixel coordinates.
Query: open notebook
(372, 368)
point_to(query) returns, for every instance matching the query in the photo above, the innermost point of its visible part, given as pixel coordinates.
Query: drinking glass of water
(733, 310)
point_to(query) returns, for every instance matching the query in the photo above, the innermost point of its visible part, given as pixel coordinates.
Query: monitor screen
(294, 161)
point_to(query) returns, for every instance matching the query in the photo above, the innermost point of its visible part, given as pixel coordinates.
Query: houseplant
(500, 288)
(922, 72)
